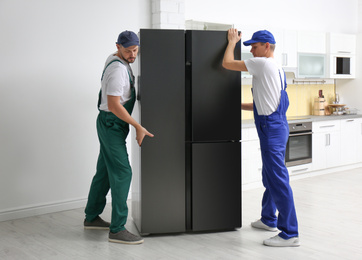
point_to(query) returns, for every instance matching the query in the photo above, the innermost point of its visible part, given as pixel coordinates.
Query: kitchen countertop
(247, 123)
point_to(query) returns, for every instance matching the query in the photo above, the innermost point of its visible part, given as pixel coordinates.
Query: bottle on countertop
(319, 104)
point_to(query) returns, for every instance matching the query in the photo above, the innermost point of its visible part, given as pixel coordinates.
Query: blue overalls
(273, 133)
(113, 169)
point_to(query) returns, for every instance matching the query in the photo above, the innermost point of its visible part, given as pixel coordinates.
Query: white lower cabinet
(349, 131)
(359, 140)
(300, 169)
(326, 144)
(335, 143)
(251, 156)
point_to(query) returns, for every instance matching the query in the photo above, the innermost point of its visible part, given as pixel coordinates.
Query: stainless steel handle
(307, 133)
(325, 126)
(350, 120)
(300, 170)
(285, 59)
(328, 139)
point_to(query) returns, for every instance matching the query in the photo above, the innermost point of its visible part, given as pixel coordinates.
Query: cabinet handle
(350, 120)
(300, 170)
(328, 139)
(325, 126)
(285, 59)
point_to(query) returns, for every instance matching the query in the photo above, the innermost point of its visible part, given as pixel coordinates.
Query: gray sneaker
(125, 237)
(98, 223)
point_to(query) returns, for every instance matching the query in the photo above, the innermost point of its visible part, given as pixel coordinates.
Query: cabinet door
(319, 151)
(289, 55)
(326, 150)
(333, 149)
(252, 163)
(216, 186)
(348, 141)
(312, 42)
(342, 43)
(359, 139)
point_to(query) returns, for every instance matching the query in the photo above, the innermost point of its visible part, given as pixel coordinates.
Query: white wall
(52, 55)
(320, 15)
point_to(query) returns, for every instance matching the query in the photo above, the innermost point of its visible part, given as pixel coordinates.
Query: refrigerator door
(216, 186)
(161, 206)
(214, 93)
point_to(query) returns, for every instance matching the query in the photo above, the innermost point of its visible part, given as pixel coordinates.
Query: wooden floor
(329, 209)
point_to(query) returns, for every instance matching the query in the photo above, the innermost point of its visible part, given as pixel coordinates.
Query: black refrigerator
(188, 177)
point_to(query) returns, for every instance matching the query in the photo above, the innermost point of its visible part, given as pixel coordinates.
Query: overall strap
(285, 81)
(130, 78)
(100, 92)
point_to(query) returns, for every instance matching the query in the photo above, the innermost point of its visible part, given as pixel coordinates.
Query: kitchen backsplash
(301, 98)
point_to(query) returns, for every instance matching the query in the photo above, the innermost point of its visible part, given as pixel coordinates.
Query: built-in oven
(299, 146)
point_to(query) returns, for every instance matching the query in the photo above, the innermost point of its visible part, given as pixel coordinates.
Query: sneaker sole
(96, 228)
(125, 242)
(296, 243)
(283, 245)
(266, 228)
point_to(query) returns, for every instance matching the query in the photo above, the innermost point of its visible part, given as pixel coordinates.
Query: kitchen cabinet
(341, 43)
(289, 50)
(311, 55)
(349, 130)
(359, 139)
(312, 42)
(300, 169)
(341, 50)
(251, 156)
(326, 144)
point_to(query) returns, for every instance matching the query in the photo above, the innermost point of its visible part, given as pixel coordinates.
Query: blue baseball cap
(128, 38)
(261, 36)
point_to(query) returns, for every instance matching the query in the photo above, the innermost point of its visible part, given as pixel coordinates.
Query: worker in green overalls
(115, 104)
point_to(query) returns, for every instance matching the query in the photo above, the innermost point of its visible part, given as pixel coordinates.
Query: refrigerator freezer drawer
(216, 186)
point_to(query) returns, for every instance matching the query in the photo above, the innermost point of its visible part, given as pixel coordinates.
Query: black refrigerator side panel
(162, 97)
(214, 91)
(216, 186)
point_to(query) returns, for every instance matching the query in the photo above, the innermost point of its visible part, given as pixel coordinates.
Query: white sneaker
(261, 225)
(278, 241)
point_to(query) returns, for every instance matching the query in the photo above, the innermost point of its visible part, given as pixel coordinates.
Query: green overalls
(113, 169)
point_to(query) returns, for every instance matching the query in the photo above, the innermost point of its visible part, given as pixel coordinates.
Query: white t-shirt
(115, 82)
(266, 83)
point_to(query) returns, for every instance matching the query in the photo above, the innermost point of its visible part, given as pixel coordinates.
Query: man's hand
(233, 36)
(141, 132)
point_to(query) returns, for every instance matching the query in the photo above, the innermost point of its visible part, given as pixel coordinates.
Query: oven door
(299, 149)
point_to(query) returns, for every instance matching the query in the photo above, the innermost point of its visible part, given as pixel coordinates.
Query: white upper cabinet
(341, 50)
(341, 43)
(289, 51)
(286, 49)
(312, 42)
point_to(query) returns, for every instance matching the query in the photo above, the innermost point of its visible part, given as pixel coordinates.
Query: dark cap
(261, 36)
(128, 38)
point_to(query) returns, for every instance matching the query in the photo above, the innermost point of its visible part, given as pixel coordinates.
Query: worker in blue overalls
(115, 103)
(270, 105)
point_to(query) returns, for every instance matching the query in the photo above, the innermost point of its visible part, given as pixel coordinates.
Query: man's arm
(247, 106)
(116, 108)
(229, 61)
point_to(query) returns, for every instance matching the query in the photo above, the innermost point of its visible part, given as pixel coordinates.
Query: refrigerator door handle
(139, 88)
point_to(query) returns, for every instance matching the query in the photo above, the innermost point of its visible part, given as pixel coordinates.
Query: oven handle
(308, 133)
